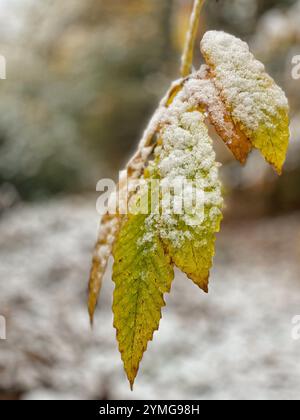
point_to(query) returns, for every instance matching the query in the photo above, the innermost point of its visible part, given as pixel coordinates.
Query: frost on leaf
(257, 105)
(142, 273)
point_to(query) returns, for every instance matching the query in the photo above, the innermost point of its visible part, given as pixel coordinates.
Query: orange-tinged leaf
(257, 105)
(227, 129)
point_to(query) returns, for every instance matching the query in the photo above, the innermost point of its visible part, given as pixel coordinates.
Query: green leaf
(148, 244)
(142, 273)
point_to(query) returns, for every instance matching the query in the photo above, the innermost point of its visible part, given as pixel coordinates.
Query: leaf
(142, 274)
(186, 153)
(149, 243)
(108, 229)
(227, 129)
(208, 99)
(257, 105)
(195, 251)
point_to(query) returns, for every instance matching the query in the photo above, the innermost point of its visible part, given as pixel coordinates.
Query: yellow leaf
(257, 105)
(272, 139)
(142, 274)
(195, 253)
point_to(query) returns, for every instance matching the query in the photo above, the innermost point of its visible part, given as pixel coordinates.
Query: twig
(188, 52)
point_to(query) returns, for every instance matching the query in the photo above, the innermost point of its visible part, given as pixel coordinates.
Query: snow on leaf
(201, 90)
(186, 153)
(148, 244)
(223, 123)
(142, 274)
(257, 105)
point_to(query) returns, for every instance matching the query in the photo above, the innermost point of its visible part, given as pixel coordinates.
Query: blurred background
(83, 78)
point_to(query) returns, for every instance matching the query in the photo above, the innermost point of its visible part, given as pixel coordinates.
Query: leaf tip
(131, 376)
(91, 317)
(91, 304)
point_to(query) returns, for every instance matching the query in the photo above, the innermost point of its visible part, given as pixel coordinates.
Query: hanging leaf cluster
(233, 94)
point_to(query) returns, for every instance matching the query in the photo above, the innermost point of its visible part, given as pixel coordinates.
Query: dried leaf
(108, 229)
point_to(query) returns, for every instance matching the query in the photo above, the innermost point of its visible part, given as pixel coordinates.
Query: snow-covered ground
(233, 343)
